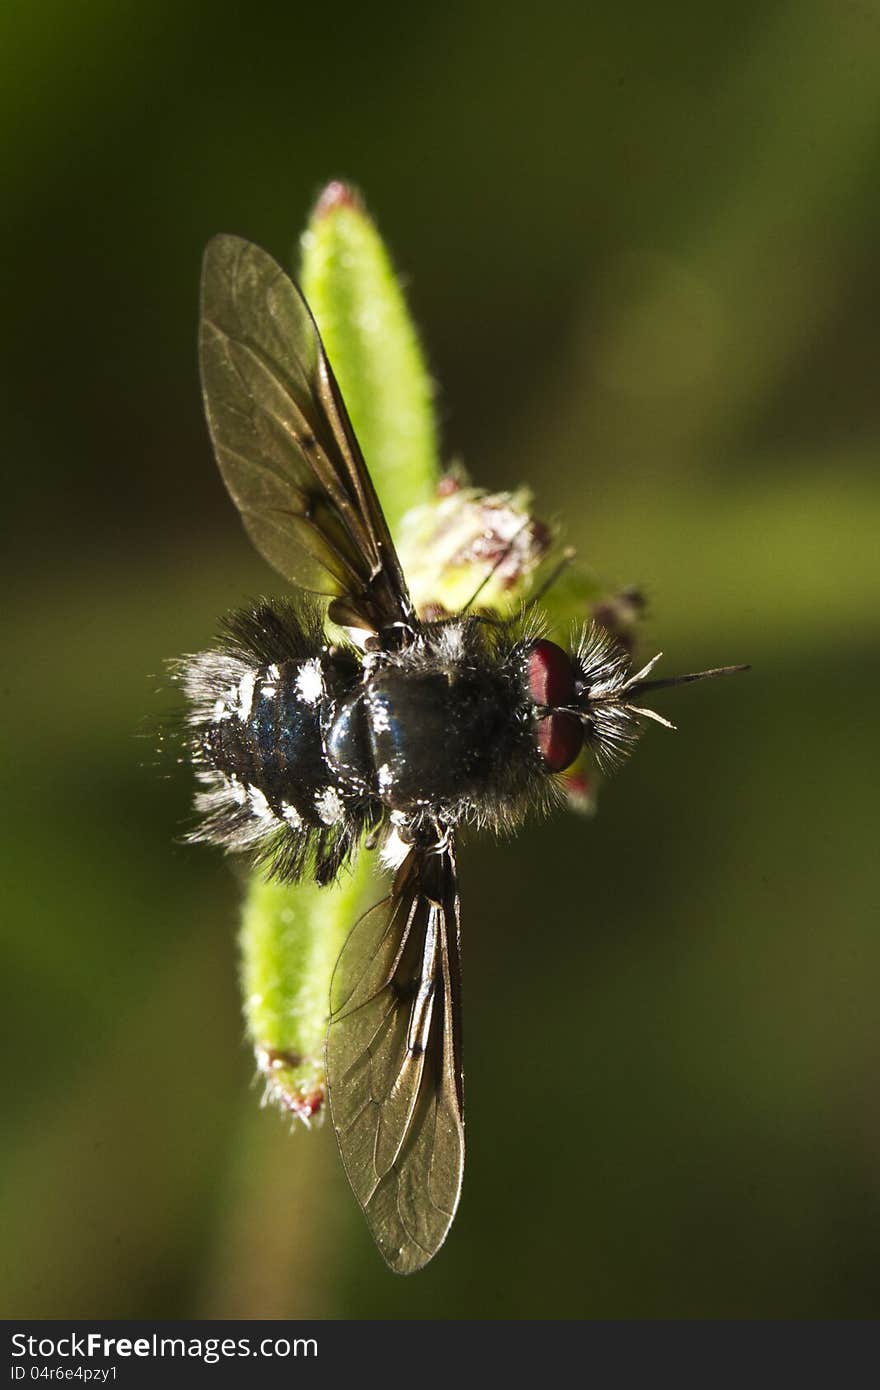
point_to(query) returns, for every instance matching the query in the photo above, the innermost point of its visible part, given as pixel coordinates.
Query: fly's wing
(394, 1060)
(284, 442)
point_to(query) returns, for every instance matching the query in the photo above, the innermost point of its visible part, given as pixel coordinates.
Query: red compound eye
(560, 739)
(551, 678)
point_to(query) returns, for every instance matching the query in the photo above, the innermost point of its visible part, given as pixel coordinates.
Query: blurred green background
(642, 246)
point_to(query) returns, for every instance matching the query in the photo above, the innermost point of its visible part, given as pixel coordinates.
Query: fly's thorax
(440, 736)
(446, 726)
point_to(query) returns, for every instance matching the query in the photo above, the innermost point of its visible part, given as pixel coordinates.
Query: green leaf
(373, 347)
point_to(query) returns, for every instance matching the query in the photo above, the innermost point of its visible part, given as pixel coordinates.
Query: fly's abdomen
(259, 751)
(264, 738)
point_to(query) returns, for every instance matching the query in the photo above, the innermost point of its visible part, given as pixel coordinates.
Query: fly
(304, 745)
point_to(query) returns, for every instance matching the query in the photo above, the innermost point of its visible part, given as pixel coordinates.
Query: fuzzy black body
(302, 745)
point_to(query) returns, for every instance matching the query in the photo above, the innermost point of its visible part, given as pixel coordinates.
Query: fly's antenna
(638, 686)
(609, 708)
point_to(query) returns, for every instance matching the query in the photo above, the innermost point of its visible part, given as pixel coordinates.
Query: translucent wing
(284, 442)
(394, 1063)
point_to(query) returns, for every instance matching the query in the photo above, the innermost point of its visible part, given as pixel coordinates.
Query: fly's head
(591, 696)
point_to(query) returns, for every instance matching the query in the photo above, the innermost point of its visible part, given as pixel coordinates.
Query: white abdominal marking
(237, 791)
(259, 805)
(310, 682)
(246, 694)
(328, 806)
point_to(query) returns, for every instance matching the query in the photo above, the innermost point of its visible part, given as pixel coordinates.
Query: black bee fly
(305, 745)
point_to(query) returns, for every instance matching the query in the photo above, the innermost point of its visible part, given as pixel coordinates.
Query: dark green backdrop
(641, 243)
